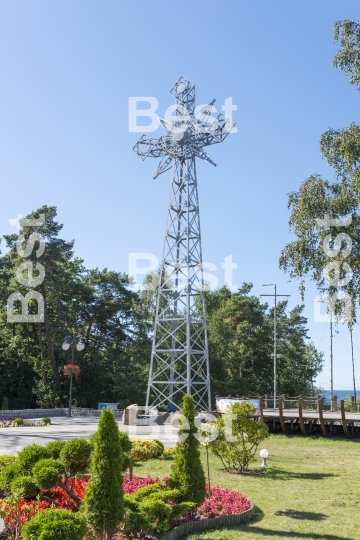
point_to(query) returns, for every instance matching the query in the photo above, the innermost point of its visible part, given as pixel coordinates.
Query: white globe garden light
(66, 346)
(80, 346)
(264, 454)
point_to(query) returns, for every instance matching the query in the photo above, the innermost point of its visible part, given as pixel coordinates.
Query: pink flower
(222, 502)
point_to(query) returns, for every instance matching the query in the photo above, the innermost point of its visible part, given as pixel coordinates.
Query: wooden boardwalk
(310, 421)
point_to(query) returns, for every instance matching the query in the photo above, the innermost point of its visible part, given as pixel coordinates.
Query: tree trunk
(50, 345)
(21, 376)
(74, 497)
(42, 352)
(88, 332)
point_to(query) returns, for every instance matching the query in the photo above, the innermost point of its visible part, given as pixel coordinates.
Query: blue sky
(67, 71)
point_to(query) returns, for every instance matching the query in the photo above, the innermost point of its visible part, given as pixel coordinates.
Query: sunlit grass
(311, 490)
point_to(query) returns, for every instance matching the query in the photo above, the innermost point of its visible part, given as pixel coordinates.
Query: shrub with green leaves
(187, 473)
(9, 473)
(143, 449)
(75, 455)
(53, 524)
(125, 442)
(18, 421)
(238, 438)
(47, 472)
(31, 454)
(24, 487)
(153, 508)
(6, 460)
(46, 421)
(168, 453)
(55, 447)
(103, 502)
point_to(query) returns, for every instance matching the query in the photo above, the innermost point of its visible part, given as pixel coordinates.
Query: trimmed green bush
(46, 421)
(9, 473)
(103, 502)
(143, 449)
(31, 454)
(53, 524)
(47, 472)
(6, 460)
(18, 421)
(76, 455)
(55, 447)
(187, 474)
(153, 508)
(24, 487)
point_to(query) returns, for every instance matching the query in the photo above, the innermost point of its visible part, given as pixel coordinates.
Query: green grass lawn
(310, 491)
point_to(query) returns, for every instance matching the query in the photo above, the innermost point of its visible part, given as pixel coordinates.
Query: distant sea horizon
(341, 394)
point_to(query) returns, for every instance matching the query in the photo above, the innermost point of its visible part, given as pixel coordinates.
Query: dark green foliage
(32, 454)
(126, 462)
(125, 442)
(24, 487)
(111, 318)
(160, 445)
(187, 474)
(55, 448)
(5, 404)
(8, 473)
(47, 472)
(241, 345)
(103, 503)
(18, 421)
(43, 471)
(126, 445)
(55, 525)
(76, 455)
(153, 508)
(46, 421)
(6, 460)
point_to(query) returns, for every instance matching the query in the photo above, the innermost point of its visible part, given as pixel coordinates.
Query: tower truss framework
(180, 360)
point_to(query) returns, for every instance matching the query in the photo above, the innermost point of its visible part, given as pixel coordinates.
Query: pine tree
(187, 474)
(103, 503)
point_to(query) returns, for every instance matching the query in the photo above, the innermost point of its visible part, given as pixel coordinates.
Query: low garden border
(29, 414)
(203, 525)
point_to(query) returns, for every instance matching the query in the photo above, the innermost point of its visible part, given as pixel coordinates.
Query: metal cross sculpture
(180, 360)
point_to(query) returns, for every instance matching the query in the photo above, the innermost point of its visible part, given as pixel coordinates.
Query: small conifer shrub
(104, 501)
(187, 474)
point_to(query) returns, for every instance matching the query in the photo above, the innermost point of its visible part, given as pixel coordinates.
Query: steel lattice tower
(179, 359)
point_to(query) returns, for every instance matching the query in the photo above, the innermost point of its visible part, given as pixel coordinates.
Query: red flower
(71, 369)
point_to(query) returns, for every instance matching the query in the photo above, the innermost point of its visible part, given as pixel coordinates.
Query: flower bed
(24, 423)
(222, 502)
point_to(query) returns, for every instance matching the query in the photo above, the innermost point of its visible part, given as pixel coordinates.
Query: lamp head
(264, 453)
(65, 346)
(80, 346)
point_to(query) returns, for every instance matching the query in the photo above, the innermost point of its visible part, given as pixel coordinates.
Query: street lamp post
(353, 366)
(80, 345)
(321, 300)
(275, 295)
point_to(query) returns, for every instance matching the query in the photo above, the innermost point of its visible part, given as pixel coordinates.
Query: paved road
(12, 440)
